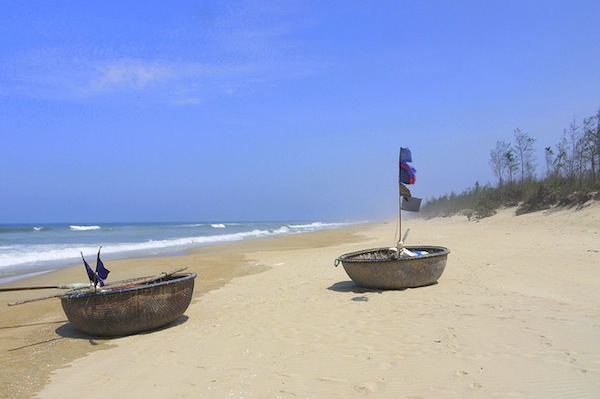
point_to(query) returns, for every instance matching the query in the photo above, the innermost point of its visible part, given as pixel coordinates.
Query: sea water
(30, 249)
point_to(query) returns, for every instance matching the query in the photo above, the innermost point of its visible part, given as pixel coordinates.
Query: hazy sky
(275, 110)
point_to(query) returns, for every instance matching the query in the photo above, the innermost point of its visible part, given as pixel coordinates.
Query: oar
(79, 291)
(142, 280)
(114, 285)
(74, 286)
(405, 236)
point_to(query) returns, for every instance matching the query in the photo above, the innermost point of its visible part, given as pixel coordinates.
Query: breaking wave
(54, 246)
(84, 228)
(20, 254)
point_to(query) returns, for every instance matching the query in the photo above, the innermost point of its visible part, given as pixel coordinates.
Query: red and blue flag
(408, 174)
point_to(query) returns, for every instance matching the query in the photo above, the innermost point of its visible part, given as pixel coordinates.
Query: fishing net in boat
(377, 255)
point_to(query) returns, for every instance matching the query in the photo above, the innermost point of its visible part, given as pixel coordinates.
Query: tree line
(570, 175)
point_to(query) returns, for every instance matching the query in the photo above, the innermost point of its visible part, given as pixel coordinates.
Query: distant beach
(30, 249)
(515, 314)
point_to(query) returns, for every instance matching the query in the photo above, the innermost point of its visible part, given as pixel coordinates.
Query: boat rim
(177, 279)
(347, 257)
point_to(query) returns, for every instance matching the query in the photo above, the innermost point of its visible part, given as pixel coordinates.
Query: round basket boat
(381, 268)
(132, 309)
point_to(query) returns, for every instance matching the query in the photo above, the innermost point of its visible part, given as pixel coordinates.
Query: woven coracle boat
(384, 269)
(130, 308)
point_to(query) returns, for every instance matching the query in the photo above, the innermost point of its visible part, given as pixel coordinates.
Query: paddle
(113, 286)
(405, 236)
(141, 280)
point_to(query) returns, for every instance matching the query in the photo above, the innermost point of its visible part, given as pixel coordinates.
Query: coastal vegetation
(570, 177)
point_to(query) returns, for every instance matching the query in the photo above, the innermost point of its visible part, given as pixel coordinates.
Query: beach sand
(516, 314)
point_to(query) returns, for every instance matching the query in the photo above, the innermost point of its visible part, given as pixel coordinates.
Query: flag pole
(399, 243)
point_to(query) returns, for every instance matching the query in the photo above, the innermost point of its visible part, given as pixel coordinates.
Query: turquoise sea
(30, 249)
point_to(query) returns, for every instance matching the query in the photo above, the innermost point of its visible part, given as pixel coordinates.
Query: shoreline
(515, 314)
(37, 335)
(165, 243)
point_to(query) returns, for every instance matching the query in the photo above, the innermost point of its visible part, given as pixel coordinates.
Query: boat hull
(389, 274)
(130, 310)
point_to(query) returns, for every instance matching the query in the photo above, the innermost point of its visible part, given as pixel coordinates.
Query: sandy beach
(516, 314)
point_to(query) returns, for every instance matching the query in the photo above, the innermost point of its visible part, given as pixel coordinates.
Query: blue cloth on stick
(405, 155)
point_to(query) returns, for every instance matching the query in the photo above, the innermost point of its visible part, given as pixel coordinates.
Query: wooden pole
(74, 286)
(113, 286)
(80, 291)
(400, 243)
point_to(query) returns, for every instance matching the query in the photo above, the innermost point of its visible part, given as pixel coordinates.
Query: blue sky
(275, 110)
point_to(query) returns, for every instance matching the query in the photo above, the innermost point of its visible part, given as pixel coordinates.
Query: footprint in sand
(369, 387)
(571, 358)
(362, 389)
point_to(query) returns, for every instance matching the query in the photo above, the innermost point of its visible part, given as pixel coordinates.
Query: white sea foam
(281, 230)
(317, 225)
(28, 254)
(56, 251)
(84, 228)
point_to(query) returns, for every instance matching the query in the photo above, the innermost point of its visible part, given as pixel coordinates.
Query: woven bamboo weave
(130, 310)
(381, 268)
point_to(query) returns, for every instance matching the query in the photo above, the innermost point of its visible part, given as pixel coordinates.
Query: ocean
(31, 249)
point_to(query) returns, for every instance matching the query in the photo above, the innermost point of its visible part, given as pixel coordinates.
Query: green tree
(549, 154)
(511, 164)
(591, 144)
(525, 154)
(572, 175)
(498, 161)
(561, 158)
(574, 161)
